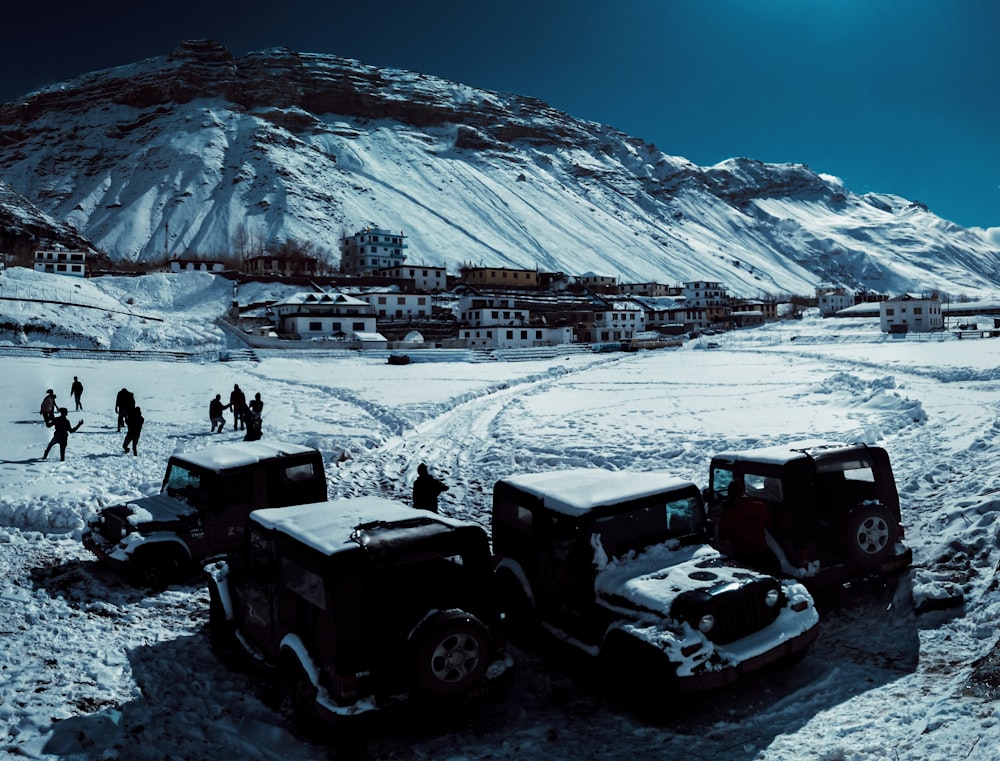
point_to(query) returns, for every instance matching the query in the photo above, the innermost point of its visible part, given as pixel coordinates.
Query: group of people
(129, 416)
(247, 416)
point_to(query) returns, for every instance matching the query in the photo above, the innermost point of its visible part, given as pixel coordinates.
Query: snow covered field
(94, 669)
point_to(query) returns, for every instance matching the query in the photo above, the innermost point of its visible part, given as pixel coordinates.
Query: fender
(292, 646)
(512, 568)
(131, 543)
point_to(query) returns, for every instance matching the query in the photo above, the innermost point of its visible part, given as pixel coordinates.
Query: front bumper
(110, 555)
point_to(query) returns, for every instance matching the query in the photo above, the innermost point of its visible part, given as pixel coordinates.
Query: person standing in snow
(60, 436)
(744, 526)
(238, 404)
(124, 404)
(48, 408)
(215, 410)
(426, 489)
(134, 424)
(76, 391)
(254, 418)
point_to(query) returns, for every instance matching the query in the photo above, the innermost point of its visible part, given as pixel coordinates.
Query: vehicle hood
(158, 509)
(652, 580)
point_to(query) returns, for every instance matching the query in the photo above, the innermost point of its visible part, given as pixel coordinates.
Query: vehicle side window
(258, 560)
(304, 583)
(301, 472)
(721, 478)
(766, 488)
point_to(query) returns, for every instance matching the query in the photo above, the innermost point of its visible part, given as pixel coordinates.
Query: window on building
(315, 327)
(357, 326)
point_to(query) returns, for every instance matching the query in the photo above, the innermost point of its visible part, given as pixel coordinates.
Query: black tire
(157, 568)
(870, 534)
(451, 653)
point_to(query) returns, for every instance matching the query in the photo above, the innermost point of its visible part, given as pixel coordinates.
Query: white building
(195, 265)
(393, 305)
(327, 316)
(478, 310)
(832, 298)
(619, 321)
(907, 313)
(494, 322)
(60, 262)
(372, 249)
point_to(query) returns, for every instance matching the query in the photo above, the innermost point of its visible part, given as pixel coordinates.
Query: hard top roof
(239, 454)
(783, 454)
(327, 526)
(577, 491)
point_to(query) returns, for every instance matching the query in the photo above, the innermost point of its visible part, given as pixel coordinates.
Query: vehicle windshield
(186, 484)
(651, 524)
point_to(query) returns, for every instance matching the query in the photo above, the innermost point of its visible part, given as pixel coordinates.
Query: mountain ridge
(199, 152)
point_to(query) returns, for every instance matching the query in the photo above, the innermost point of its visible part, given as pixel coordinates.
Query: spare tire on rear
(451, 650)
(870, 534)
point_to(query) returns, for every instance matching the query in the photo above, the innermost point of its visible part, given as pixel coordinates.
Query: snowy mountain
(198, 152)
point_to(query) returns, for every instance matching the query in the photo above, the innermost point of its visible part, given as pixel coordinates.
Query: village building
(372, 249)
(832, 298)
(282, 266)
(618, 321)
(327, 316)
(599, 283)
(195, 265)
(499, 277)
(706, 305)
(61, 262)
(396, 305)
(426, 279)
(495, 322)
(907, 313)
(653, 290)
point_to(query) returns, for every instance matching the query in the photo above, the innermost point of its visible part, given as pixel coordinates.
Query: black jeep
(360, 604)
(833, 509)
(202, 507)
(618, 565)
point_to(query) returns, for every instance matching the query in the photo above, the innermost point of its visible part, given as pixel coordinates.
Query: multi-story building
(832, 298)
(395, 305)
(494, 322)
(60, 262)
(618, 321)
(372, 249)
(907, 313)
(706, 304)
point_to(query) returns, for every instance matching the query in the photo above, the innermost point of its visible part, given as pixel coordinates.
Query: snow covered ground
(92, 668)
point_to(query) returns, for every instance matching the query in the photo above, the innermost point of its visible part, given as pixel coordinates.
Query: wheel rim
(873, 535)
(455, 658)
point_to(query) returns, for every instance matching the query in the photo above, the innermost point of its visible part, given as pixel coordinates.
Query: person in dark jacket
(238, 404)
(134, 424)
(254, 418)
(426, 489)
(124, 404)
(215, 410)
(76, 391)
(60, 436)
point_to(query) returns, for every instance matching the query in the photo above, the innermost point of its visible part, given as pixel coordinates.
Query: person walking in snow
(426, 489)
(238, 404)
(60, 435)
(215, 410)
(134, 424)
(76, 391)
(48, 408)
(124, 404)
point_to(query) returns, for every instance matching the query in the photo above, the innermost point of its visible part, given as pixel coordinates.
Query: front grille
(114, 527)
(740, 609)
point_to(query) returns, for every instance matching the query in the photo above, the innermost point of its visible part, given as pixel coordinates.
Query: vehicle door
(254, 588)
(233, 500)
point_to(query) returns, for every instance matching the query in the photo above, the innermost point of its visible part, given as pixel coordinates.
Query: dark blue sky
(895, 96)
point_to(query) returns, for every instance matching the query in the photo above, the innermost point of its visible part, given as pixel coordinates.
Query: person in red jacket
(744, 527)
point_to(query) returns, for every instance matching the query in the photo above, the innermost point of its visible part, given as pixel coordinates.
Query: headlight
(706, 623)
(771, 598)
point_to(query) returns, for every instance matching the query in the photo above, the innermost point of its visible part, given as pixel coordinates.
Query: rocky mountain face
(201, 153)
